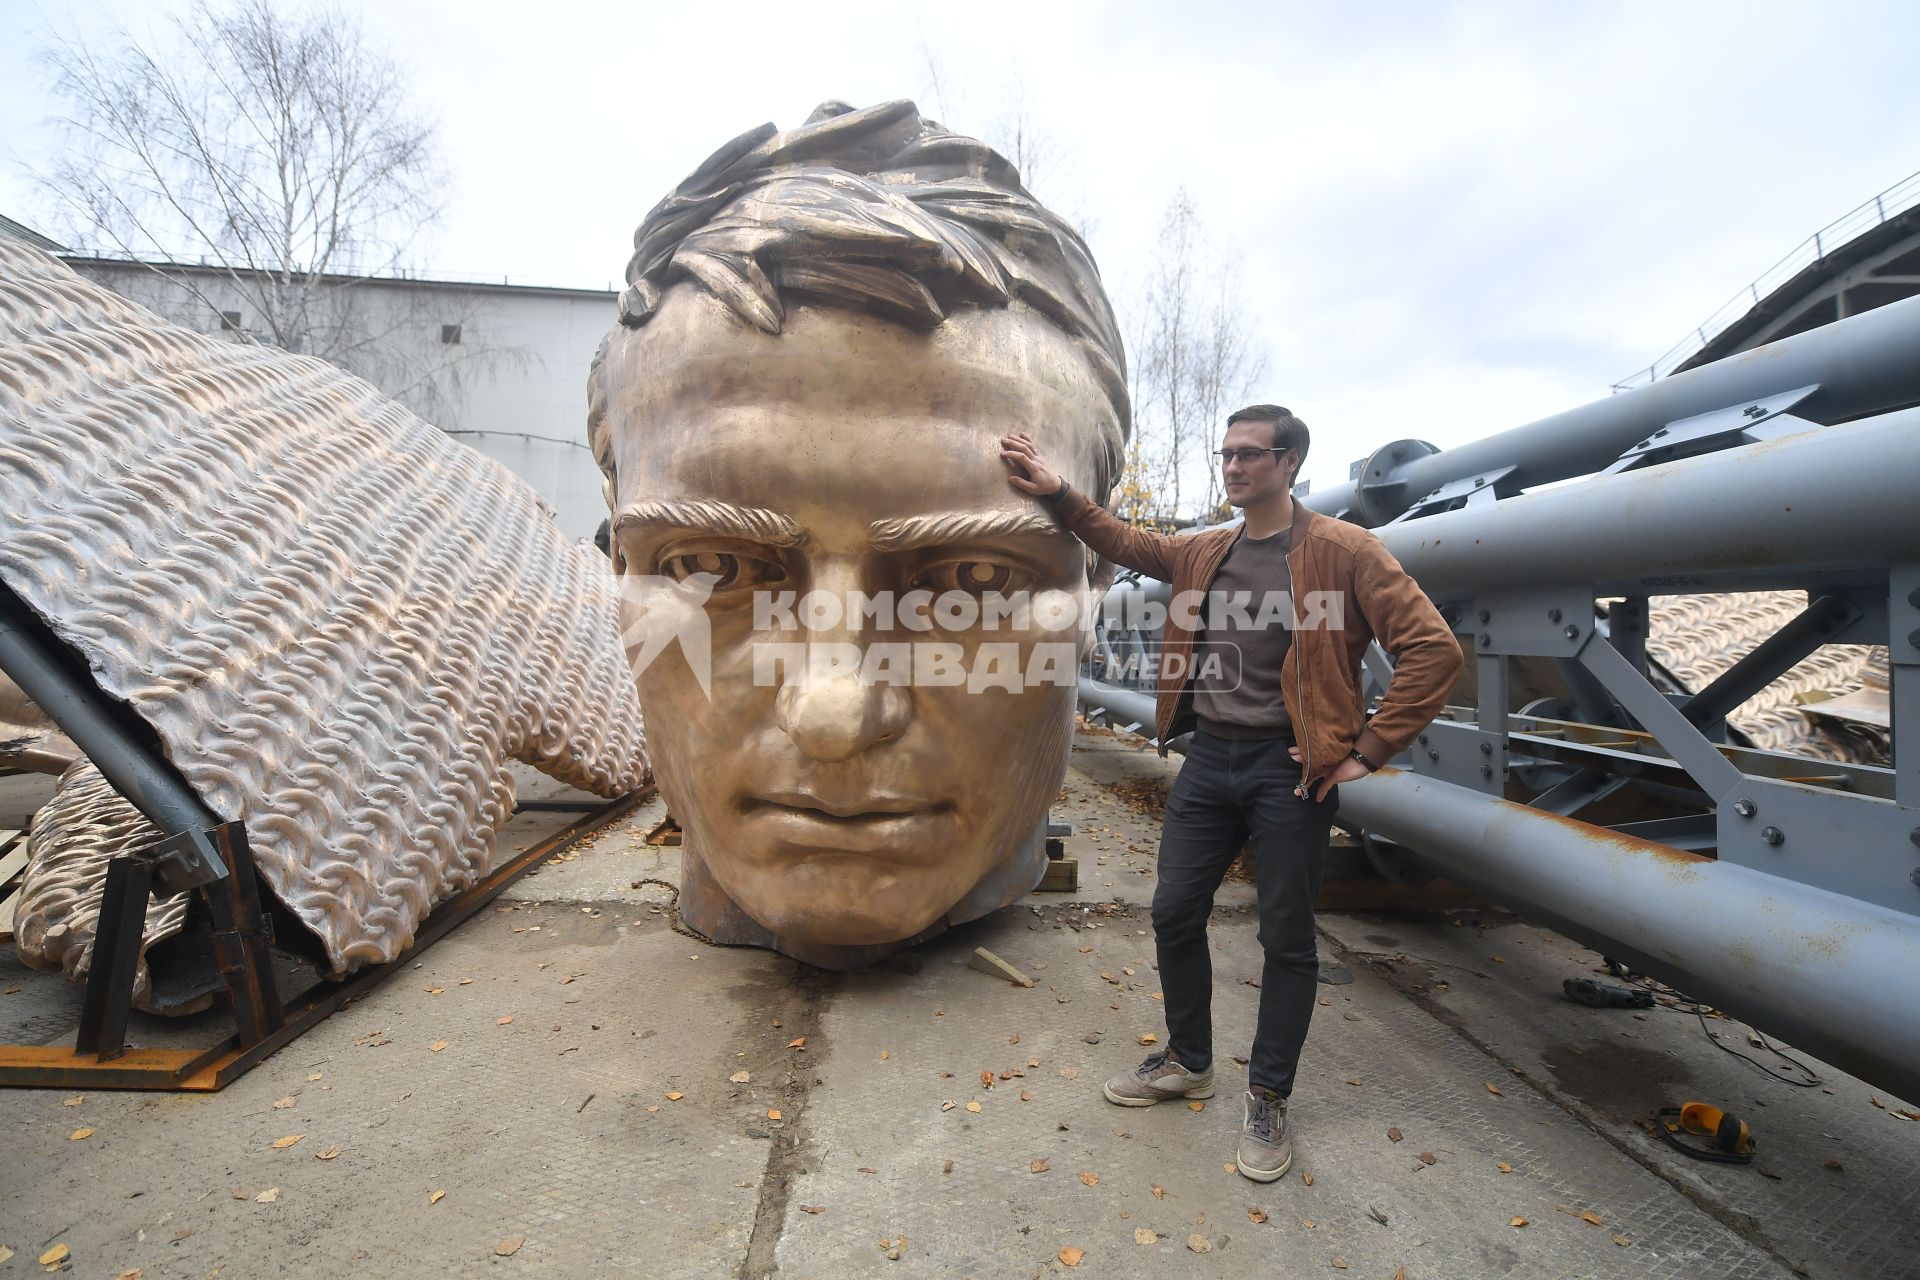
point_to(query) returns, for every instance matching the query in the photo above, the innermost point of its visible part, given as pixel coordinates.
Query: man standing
(1274, 702)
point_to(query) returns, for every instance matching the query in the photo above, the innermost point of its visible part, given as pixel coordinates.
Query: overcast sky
(1447, 219)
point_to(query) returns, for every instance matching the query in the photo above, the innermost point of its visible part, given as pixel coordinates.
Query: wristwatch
(1371, 766)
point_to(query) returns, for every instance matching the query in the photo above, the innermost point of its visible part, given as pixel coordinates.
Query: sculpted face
(841, 805)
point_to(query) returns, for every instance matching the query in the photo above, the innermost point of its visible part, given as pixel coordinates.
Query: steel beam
(1861, 365)
(1830, 974)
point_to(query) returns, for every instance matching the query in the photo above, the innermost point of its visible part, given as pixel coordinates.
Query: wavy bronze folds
(340, 624)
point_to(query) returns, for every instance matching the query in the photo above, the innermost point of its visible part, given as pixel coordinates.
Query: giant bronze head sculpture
(825, 332)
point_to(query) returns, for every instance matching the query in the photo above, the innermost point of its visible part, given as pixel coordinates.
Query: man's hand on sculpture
(1023, 456)
(1348, 770)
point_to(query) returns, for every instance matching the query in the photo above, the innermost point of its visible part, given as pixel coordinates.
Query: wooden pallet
(13, 864)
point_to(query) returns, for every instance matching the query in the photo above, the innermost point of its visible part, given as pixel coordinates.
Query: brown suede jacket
(1320, 680)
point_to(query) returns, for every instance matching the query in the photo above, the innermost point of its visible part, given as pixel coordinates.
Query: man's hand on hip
(1348, 770)
(1031, 474)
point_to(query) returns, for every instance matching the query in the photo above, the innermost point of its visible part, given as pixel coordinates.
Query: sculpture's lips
(868, 824)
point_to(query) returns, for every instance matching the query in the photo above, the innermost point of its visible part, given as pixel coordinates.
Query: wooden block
(993, 966)
(6, 917)
(12, 864)
(1063, 876)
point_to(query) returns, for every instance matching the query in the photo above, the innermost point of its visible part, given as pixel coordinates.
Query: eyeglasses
(1247, 457)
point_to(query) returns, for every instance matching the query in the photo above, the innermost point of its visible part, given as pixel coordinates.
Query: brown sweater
(1344, 571)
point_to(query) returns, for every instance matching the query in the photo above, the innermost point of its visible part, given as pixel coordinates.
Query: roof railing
(1892, 202)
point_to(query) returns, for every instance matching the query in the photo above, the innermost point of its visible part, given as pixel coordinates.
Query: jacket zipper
(1300, 667)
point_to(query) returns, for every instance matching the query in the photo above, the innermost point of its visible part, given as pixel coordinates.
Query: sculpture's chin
(844, 924)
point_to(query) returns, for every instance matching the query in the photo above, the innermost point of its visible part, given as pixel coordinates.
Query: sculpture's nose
(833, 717)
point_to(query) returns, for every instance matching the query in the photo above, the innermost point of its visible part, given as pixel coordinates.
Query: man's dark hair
(1288, 431)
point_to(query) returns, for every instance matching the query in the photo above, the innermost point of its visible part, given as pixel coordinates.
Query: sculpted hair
(877, 210)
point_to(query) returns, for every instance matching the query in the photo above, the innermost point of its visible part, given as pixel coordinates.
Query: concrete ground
(565, 1087)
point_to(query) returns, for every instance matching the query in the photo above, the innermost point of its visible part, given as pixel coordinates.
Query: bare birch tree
(279, 153)
(1193, 359)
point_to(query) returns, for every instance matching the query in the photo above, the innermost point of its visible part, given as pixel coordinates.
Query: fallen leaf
(268, 1196)
(1085, 950)
(1622, 1241)
(1149, 1038)
(1041, 1165)
(1494, 1089)
(80, 1135)
(281, 1144)
(675, 1096)
(1876, 1102)
(1393, 1135)
(1025, 1096)
(502, 1021)
(1355, 1081)
(1199, 1243)
(1070, 1255)
(1517, 1222)
(986, 1079)
(1070, 1073)
(510, 1246)
(242, 1193)
(1196, 1106)
(1834, 1165)
(282, 1104)
(974, 1107)
(436, 1197)
(466, 982)
(434, 991)
(798, 1042)
(313, 1077)
(1504, 1167)
(1256, 1215)
(740, 1077)
(1338, 1263)
(132, 1273)
(1308, 1223)
(1592, 1219)
(1306, 1179)
(773, 1113)
(1159, 1192)
(1033, 1062)
(948, 1166)
(1376, 1215)
(813, 1208)
(55, 1256)
(1089, 1177)
(948, 1105)
(331, 1153)
(75, 1100)
(655, 1107)
(1427, 1157)
(868, 1169)
(1143, 1236)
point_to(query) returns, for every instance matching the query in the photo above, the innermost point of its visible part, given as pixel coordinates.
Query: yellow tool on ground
(1731, 1141)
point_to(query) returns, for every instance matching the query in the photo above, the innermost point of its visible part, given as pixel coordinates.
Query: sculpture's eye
(975, 577)
(727, 568)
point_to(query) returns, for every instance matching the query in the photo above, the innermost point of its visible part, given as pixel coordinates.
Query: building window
(230, 320)
(450, 334)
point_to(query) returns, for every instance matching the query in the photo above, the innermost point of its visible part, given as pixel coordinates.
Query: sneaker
(1266, 1152)
(1158, 1079)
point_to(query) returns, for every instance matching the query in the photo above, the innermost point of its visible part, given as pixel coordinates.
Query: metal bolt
(1486, 616)
(1486, 641)
(1745, 808)
(1423, 739)
(1916, 877)
(1433, 756)
(1486, 771)
(1913, 638)
(1553, 615)
(1662, 431)
(1572, 632)
(1773, 836)
(1754, 411)
(1480, 482)
(1451, 614)
(1913, 597)
(1486, 748)
(1914, 835)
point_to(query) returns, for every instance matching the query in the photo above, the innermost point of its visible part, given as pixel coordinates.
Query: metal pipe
(1123, 706)
(1784, 513)
(82, 715)
(1863, 364)
(1829, 974)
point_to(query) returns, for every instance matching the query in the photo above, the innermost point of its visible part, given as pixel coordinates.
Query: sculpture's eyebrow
(710, 515)
(908, 532)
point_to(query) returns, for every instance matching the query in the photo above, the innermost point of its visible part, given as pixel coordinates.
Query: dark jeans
(1229, 791)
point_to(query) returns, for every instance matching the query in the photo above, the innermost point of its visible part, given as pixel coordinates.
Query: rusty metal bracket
(263, 1025)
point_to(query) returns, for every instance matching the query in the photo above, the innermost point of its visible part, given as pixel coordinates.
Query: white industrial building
(501, 366)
